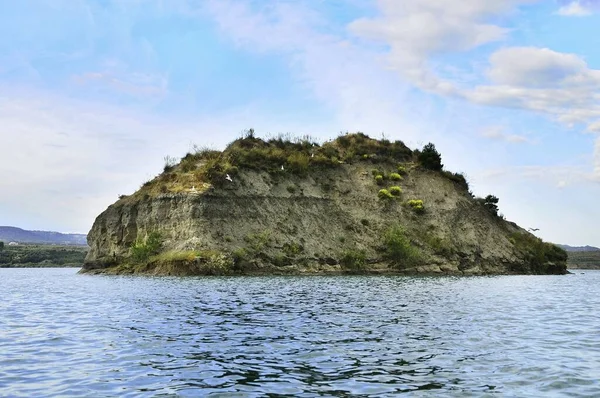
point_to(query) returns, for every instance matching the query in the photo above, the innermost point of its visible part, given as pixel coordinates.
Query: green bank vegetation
(543, 257)
(584, 259)
(398, 248)
(203, 167)
(29, 255)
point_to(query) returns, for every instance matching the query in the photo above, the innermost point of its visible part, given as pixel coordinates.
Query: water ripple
(63, 334)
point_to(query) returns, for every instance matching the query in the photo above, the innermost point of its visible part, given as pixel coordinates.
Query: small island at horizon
(293, 206)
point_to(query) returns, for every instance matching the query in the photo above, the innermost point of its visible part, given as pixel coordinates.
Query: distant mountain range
(13, 234)
(579, 248)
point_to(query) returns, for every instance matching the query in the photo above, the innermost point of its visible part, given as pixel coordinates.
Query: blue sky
(95, 93)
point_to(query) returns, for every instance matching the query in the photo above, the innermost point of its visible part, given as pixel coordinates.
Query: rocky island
(292, 206)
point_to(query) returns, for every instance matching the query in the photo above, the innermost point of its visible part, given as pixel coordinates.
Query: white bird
(312, 155)
(282, 169)
(228, 178)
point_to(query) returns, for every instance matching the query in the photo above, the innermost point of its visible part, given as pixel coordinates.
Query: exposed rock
(315, 221)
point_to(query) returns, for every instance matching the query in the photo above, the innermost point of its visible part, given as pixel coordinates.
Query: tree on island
(1, 246)
(491, 202)
(430, 158)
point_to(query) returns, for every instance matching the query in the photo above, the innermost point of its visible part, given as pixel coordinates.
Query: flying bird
(534, 229)
(228, 178)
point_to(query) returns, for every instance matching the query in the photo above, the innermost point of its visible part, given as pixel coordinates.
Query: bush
(416, 205)
(430, 158)
(385, 194)
(292, 249)
(396, 191)
(491, 203)
(142, 250)
(298, 162)
(258, 241)
(170, 163)
(354, 260)
(395, 177)
(379, 179)
(542, 257)
(402, 170)
(215, 170)
(458, 178)
(441, 247)
(398, 248)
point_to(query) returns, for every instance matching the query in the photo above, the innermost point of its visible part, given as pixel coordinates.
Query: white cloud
(342, 75)
(537, 79)
(67, 160)
(541, 80)
(498, 133)
(559, 85)
(416, 30)
(574, 9)
(539, 67)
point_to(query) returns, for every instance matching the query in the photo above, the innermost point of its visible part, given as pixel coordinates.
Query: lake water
(64, 334)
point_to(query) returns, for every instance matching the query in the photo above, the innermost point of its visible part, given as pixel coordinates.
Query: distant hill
(579, 248)
(13, 234)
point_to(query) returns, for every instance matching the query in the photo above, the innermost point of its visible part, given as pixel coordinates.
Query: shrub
(402, 170)
(215, 170)
(170, 163)
(458, 178)
(398, 248)
(385, 194)
(430, 158)
(542, 257)
(416, 205)
(353, 260)
(291, 189)
(141, 250)
(441, 247)
(491, 203)
(292, 249)
(379, 179)
(396, 191)
(258, 241)
(395, 177)
(298, 162)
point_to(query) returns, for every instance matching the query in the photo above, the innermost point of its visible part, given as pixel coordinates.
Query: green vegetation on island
(282, 205)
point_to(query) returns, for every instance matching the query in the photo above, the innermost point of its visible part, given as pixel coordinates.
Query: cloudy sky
(95, 93)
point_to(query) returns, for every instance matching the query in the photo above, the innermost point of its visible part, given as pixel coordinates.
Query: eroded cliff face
(264, 222)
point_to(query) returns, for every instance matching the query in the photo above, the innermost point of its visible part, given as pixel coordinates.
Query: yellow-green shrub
(385, 194)
(416, 205)
(396, 191)
(395, 177)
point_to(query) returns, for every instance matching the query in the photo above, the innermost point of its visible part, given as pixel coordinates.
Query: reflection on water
(71, 335)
